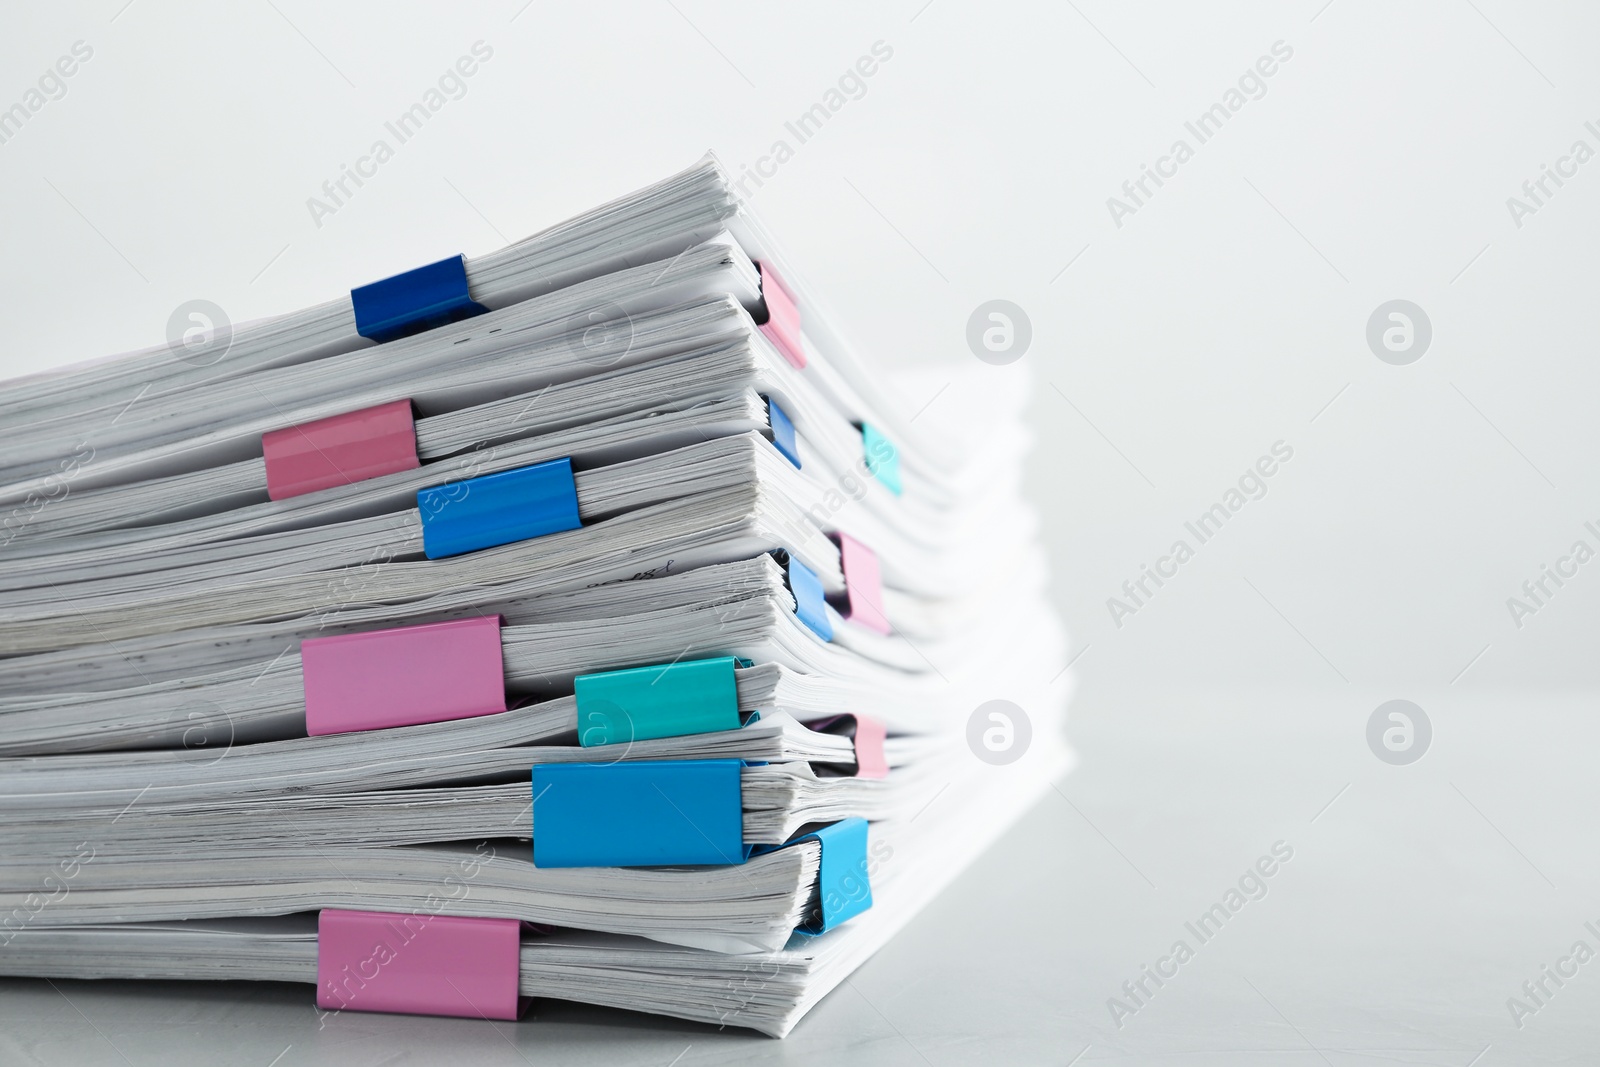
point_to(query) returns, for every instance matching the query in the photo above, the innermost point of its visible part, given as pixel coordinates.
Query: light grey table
(1417, 901)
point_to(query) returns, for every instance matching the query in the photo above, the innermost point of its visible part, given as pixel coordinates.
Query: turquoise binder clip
(844, 885)
(666, 700)
(883, 459)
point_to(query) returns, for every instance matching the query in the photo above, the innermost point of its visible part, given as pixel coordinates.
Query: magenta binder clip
(862, 601)
(783, 317)
(402, 677)
(419, 964)
(340, 450)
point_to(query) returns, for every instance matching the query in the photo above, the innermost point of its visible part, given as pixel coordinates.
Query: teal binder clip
(666, 700)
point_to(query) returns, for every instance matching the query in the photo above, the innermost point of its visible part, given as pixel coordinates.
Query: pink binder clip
(340, 450)
(870, 760)
(863, 597)
(868, 737)
(402, 677)
(419, 964)
(783, 317)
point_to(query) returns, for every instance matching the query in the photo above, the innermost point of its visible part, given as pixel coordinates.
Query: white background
(1228, 313)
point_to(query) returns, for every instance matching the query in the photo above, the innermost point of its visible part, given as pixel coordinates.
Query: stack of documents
(581, 620)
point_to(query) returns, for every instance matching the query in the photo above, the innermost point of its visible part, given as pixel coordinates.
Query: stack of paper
(582, 620)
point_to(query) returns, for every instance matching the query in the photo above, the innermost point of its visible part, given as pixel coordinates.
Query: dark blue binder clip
(417, 300)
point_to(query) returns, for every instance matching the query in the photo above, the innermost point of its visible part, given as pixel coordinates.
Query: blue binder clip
(844, 885)
(497, 509)
(666, 700)
(417, 300)
(883, 459)
(810, 602)
(638, 813)
(783, 432)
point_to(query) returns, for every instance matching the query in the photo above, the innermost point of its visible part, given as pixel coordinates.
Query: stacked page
(583, 620)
